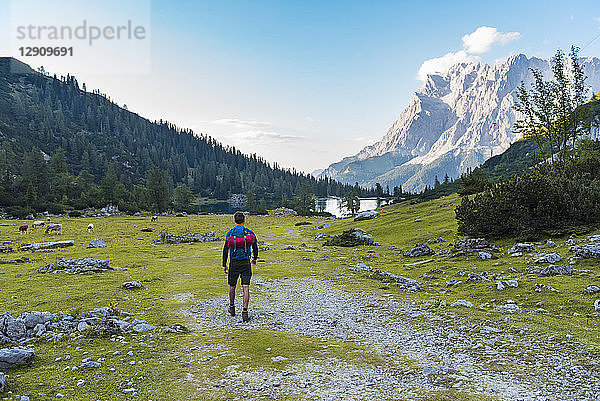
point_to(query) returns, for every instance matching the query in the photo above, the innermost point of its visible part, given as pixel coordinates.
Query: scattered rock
(132, 285)
(500, 285)
(474, 244)
(508, 307)
(5, 249)
(452, 282)
(172, 238)
(550, 257)
(13, 357)
(78, 266)
(539, 287)
(141, 326)
(436, 240)
(289, 248)
(366, 215)
(352, 237)
(586, 251)
(321, 226)
(419, 250)
(550, 243)
(90, 365)
(322, 236)
(462, 303)
(484, 255)
(552, 270)
(97, 243)
(404, 282)
(521, 247)
(592, 289)
(2, 382)
(283, 211)
(47, 245)
(596, 308)
(361, 267)
(147, 230)
(478, 277)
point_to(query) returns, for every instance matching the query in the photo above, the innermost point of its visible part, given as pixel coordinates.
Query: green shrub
(539, 202)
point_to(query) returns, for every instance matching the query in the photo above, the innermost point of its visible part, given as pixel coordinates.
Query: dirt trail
(425, 351)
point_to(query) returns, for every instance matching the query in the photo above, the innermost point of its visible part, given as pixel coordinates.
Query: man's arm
(225, 254)
(254, 252)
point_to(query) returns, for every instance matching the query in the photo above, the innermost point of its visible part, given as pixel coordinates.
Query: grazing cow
(53, 227)
(154, 218)
(23, 229)
(37, 223)
(90, 228)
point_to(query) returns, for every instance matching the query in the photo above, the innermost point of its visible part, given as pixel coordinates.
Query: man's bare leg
(246, 289)
(232, 295)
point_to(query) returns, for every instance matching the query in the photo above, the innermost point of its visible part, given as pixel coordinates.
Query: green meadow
(167, 365)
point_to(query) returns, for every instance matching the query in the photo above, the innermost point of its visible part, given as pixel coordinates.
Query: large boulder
(48, 245)
(203, 236)
(474, 244)
(13, 357)
(366, 215)
(97, 243)
(12, 328)
(521, 247)
(33, 318)
(403, 282)
(419, 250)
(549, 257)
(551, 270)
(132, 285)
(77, 266)
(352, 237)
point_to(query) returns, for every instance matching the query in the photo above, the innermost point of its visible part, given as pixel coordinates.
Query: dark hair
(239, 217)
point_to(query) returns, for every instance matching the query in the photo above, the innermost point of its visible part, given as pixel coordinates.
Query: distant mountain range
(454, 122)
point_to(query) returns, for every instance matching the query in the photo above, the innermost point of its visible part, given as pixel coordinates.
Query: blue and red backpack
(239, 240)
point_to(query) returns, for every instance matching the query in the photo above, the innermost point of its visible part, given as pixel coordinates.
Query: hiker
(239, 242)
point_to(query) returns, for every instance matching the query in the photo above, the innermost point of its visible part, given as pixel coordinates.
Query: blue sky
(304, 83)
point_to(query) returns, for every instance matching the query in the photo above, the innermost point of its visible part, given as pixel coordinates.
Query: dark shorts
(239, 268)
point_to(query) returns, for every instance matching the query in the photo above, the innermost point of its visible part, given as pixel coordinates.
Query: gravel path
(425, 351)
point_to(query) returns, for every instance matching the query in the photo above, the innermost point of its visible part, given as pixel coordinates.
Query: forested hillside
(63, 147)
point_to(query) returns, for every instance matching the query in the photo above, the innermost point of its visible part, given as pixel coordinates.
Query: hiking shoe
(245, 317)
(232, 310)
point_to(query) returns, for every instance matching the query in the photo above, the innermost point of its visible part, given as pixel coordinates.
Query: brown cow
(23, 229)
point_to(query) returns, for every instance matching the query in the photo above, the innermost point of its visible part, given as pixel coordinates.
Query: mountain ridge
(454, 122)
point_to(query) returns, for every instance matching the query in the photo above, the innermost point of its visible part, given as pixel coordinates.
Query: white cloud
(236, 122)
(478, 42)
(484, 37)
(263, 137)
(442, 64)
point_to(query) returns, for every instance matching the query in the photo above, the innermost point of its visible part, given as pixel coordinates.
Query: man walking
(239, 242)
